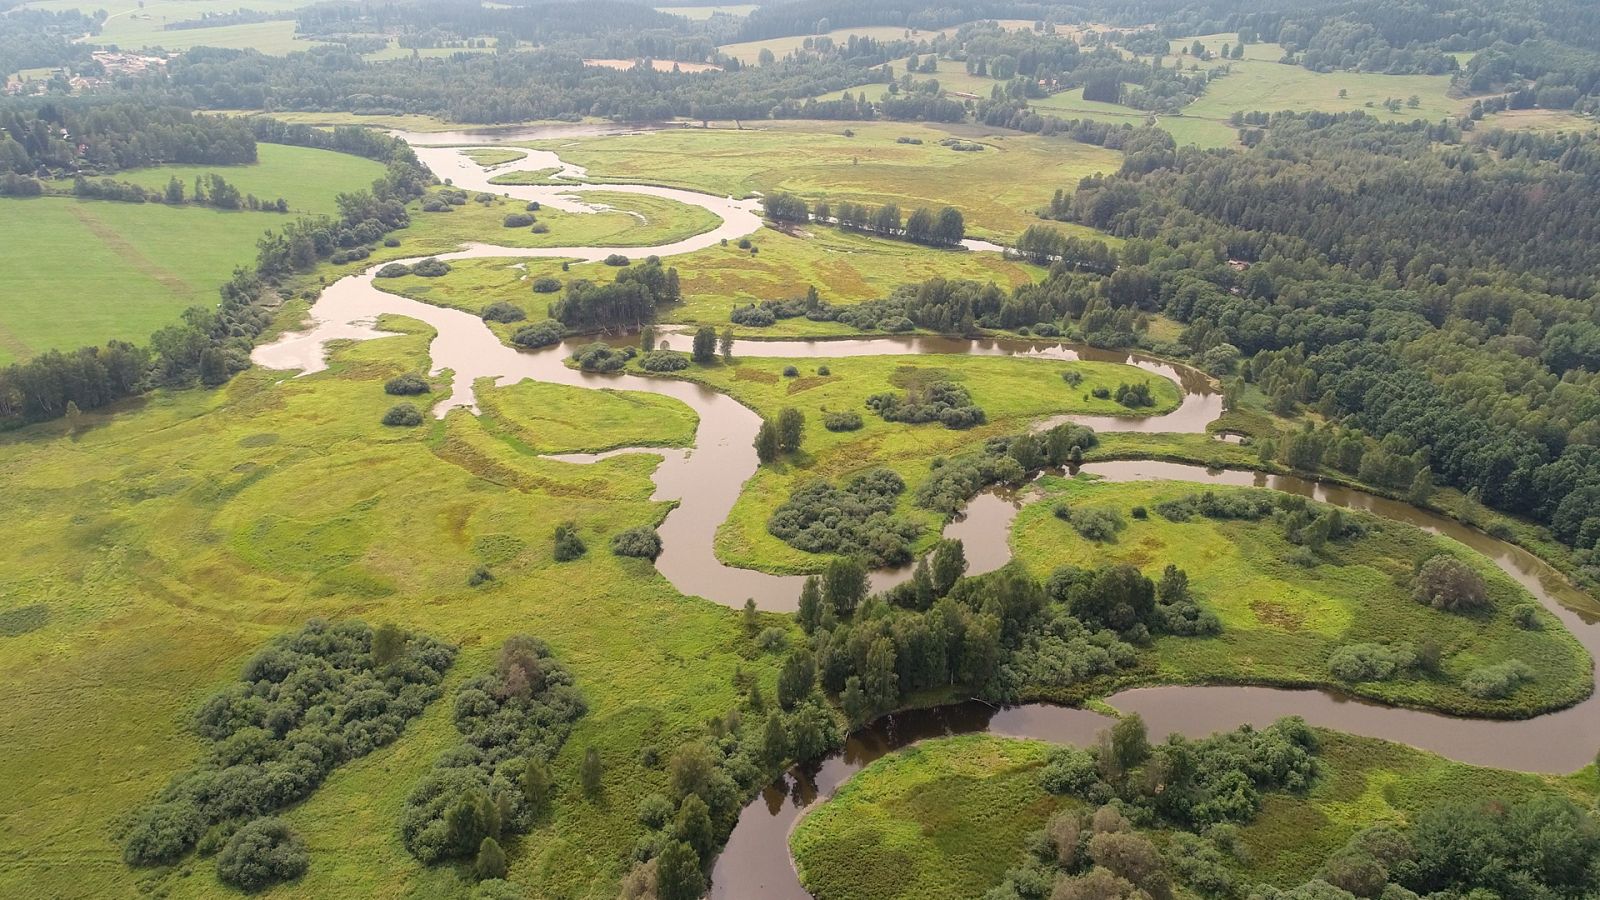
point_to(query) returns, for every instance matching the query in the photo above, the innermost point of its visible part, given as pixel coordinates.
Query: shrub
(406, 385)
(842, 421)
(568, 545)
(435, 205)
(542, 334)
(1498, 681)
(616, 259)
(533, 206)
(744, 243)
(642, 542)
(1097, 523)
(1140, 512)
(663, 361)
(517, 220)
(431, 268)
(391, 242)
(480, 575)
(1447, 583)
(791, 372)
(824, 371)
(598, 357)
(546, 284)
(393, 270)
(503, 312)
(403, 415)
(772, 640)
(1526, 616)
(1135, 396)
(1101, 393)
(350, 690)
(540, 228)
(261, 853)
(1370, 662)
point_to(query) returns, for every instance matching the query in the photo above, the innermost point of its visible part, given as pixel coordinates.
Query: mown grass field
(1282, 618)
(815, 160)
(85, 271)
(169, 542)
(750, 51)
(844, 267)
(1012, 391)
(698, 13)
(132, 26)
(947, 817)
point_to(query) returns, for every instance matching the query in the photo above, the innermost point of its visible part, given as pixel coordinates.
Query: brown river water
(756, 861)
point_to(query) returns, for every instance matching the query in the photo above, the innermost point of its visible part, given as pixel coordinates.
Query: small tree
(767, 443)
(726, 345)
(796, 679)
(568, 545)
(261, 853)
(1447, 583)
(678, 875)
(693, 825)
(810, 611)
(590, 772)
(752, 618)
(791, 428)
(491, 861)
(388, 644)
(844, 584)
(705, 344)
(536, 785)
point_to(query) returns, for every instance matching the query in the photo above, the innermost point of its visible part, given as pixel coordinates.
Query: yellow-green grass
(133, 27)
(1544, 121)
(1270, 87)
(1213, 42)
(1282, 618)
(308, 179)
(1012, 391)
(750, 51)
(83, 272)
(941, 819)
(404, 122)
(845, 268)
(548, 418)
(493, 156)
(172, 539)
(699, 13)
(395, 51)
(946, 817)
(815, 160)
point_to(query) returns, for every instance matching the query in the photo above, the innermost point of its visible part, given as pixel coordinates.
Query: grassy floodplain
(1284, 612)
(1012, 392)
(844, 267)
(947, 817)
(816, 160)
(166, 544)
(86, 271)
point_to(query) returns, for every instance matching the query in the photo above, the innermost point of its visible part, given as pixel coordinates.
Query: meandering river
(707, 479)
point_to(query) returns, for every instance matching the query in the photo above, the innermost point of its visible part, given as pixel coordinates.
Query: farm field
(907, 826)
(817, 161)
(87, 271)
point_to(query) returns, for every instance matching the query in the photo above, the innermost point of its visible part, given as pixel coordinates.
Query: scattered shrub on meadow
(642, 542)
(403, 415)
(262, 852)
(1134, 396)
(431, 267)
(546, 284)
(518, 220)
(568, 545)
(616, 259)
(480, 576)
(1371, 662)
(393, 270)
(842, 420)
(1096, 523)
(540, 228)
(539, 334)
(406, 385)
(503, 312)
(1498, 681)
(791, 372)
(772, 640)
(598, 357)
(307, 703)
(1526, 617)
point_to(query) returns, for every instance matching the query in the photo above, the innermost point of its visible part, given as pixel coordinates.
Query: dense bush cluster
(598, 357)
(642, 542)
(503, 312)
(1447, 583)
(568, 544)
(546, 284)
(407, 385)
(539, 334)
(940, 401)
(1005, 460)
(842, 420)
(1371, 662)
(262, 852)
(496, 782)
(1120, 598)
(306, 704)
(663, 361)
(627, 303)
(856, 517)
(403, 415)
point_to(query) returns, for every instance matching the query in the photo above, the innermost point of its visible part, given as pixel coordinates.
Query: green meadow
(1285, 608)
(86, 271)
(945, 818)
(169, 540)
(1012, 391)
(818, 161)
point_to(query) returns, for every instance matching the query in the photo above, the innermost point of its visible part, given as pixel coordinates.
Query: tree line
(103, 135)
(945, 228)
